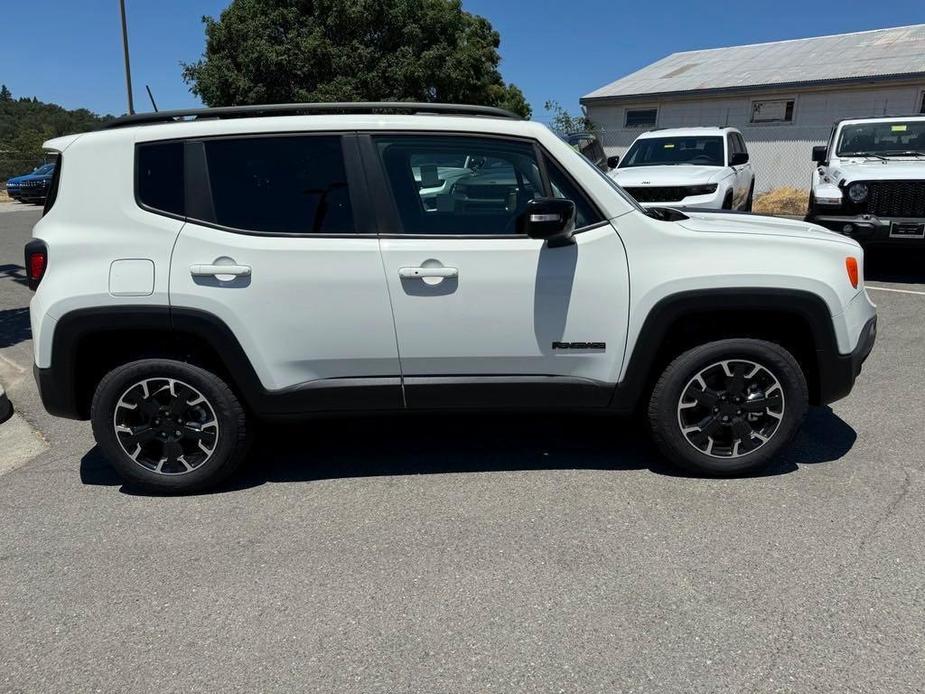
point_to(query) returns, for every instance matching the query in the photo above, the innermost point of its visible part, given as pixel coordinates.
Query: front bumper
(837, 372)
(867, 229)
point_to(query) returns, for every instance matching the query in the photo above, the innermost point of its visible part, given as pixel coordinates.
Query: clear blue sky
(69, 51)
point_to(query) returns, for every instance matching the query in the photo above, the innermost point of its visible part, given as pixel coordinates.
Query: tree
(26, 122)
(564, 122)
(278, 51)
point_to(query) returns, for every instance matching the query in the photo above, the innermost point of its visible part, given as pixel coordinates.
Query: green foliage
(280, 51)
(564, 122)
(26, 123)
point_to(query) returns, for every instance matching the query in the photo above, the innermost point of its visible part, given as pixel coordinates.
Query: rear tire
(728, 407)
(169, 426)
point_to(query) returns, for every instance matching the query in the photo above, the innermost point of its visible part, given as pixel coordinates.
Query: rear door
(748, 170)
(277, 248)
(742, 171)
(484, 315)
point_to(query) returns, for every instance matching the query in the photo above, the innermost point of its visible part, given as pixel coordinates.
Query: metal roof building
(783, 95)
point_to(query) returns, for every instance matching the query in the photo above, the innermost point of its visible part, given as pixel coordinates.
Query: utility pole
(128, 68)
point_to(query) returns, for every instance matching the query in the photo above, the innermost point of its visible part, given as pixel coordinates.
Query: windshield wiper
(905, 153)
(864, 154)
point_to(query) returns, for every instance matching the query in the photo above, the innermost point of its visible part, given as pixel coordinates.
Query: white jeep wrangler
(870, 181)
(293, 260)
(702, 167)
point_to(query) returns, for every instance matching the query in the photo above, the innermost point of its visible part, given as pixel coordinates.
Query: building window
(776, 111)
(641, 117)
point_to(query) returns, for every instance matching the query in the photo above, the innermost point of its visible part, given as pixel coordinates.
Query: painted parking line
(898, 291)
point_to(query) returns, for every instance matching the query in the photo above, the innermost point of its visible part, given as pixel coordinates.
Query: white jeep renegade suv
(292, 260)
(869, 183)
(704, 167)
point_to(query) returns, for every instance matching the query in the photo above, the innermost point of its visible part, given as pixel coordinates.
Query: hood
(680, 175)
(740, 223)
(876, 170)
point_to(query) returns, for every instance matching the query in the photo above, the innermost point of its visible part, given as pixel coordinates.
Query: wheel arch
(798, 320)
(87, 343)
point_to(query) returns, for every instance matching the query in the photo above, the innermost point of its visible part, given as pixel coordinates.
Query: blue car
(32, 187)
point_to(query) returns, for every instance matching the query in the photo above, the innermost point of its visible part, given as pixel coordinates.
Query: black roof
(258, 111)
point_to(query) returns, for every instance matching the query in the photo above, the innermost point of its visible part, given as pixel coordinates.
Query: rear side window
(160, 176)
(279, 185)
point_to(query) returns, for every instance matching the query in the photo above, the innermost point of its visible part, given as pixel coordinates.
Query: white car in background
(704, 167)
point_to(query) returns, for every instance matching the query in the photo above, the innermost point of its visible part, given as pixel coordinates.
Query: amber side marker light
(854, 275)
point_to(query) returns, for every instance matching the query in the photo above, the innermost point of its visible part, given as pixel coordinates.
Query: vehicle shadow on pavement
(17, 273)
(440, 444)
(14, 327)
(899, 265)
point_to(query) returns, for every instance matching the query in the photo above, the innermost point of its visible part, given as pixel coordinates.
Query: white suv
(869, 181)
(287, 261)
(691, 167)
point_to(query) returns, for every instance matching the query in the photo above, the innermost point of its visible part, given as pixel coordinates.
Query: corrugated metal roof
(886, 53)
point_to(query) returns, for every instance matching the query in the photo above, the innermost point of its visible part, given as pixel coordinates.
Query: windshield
(674, 151)
(882, 139)
(43, 169)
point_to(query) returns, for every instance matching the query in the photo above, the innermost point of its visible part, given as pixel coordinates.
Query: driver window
(459, 185)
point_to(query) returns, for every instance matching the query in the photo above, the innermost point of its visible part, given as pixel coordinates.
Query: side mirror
(612, 162)
(549, 219)
(820, 154)
(738, 158)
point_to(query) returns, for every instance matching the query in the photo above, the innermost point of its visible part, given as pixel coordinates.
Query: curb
(6, 408)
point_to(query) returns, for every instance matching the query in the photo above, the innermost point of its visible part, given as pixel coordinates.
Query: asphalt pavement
(546, 553)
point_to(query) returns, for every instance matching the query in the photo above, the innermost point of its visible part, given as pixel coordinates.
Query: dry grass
(786, 200)
(4, 197)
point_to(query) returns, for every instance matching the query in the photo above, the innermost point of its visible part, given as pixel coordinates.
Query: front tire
(728, 407)
(169, 426)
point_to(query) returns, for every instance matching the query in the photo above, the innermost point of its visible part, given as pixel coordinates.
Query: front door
(273, 249)
(484, 315)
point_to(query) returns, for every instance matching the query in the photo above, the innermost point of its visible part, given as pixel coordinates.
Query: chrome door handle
(409, 273)
(215, 270)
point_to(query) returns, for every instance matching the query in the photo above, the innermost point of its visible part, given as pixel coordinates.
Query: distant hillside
(26, 123)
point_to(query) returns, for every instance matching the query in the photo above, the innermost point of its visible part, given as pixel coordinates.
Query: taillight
(36, 262)
(854, 274)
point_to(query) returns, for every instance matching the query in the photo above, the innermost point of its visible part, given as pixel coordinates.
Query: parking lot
(479, 553)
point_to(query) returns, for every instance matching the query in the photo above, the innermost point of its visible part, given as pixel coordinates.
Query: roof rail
(309, 109)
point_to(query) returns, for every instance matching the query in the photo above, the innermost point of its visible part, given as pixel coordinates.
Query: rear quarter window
(160, 176)
(53, 187)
